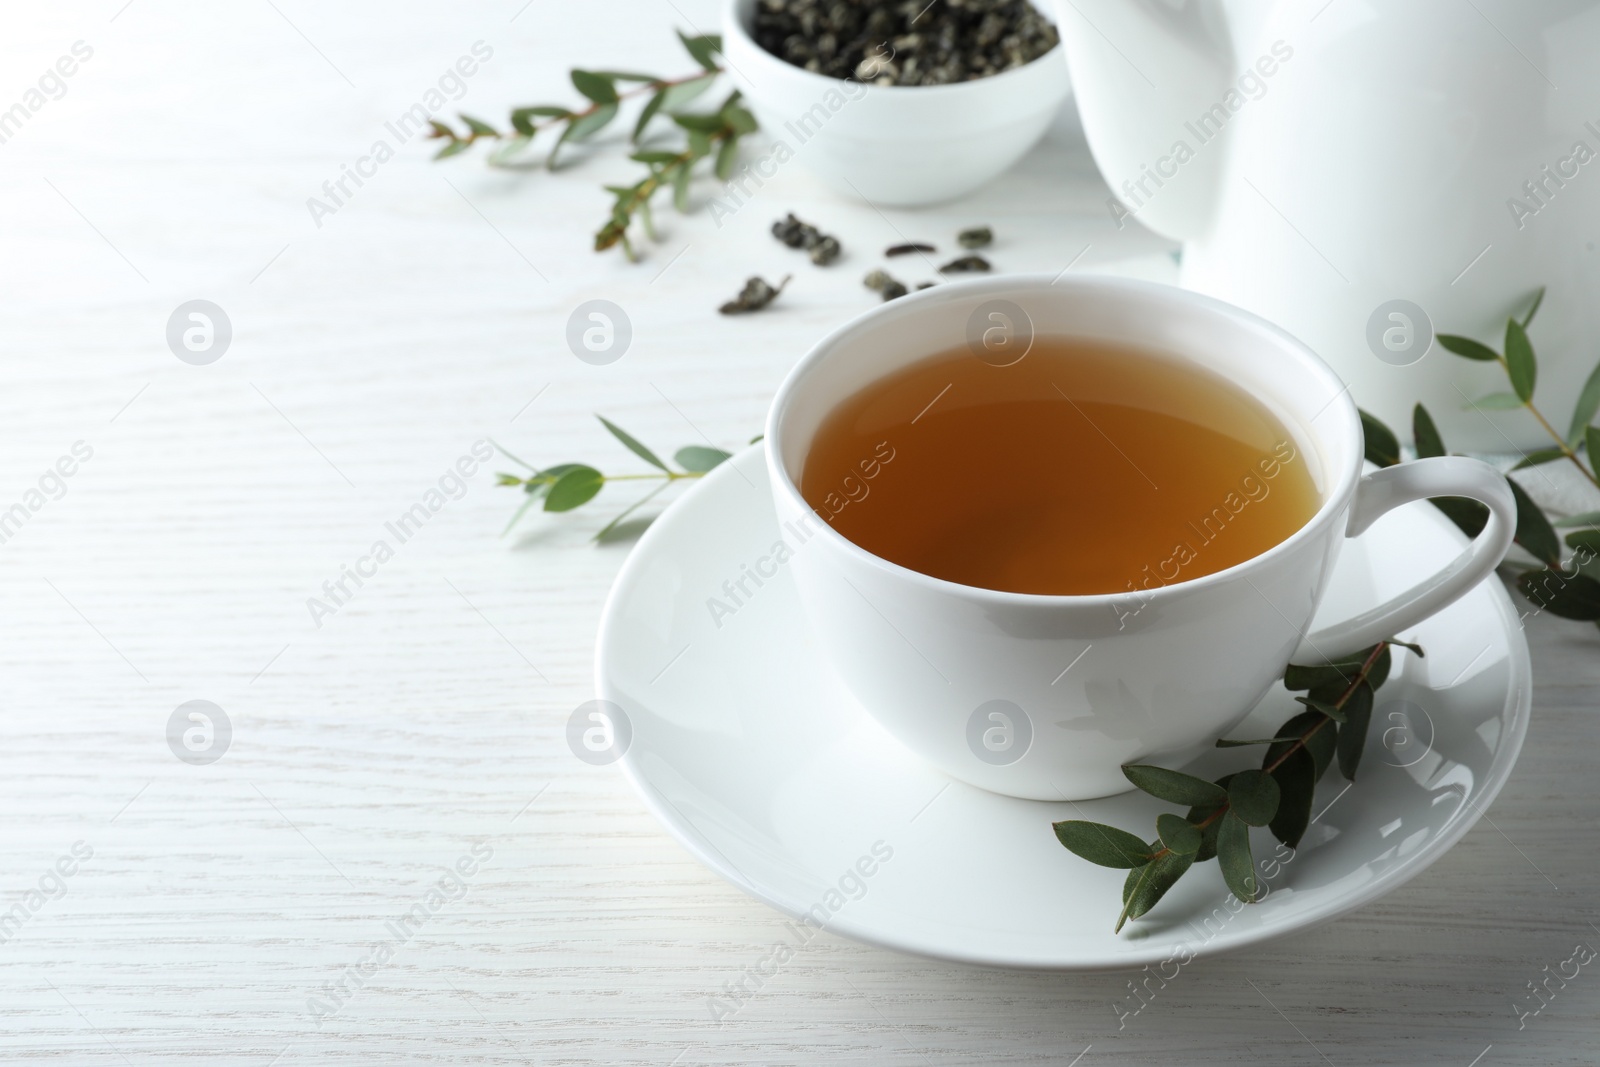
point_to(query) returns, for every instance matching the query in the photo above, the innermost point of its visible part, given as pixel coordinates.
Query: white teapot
(1352, 169)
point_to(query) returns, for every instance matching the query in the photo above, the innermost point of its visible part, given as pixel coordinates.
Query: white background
(425, 716)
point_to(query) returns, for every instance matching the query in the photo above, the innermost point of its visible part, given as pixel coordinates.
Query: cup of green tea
(1050, 528)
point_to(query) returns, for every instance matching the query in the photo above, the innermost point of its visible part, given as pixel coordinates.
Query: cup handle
(1381, 492)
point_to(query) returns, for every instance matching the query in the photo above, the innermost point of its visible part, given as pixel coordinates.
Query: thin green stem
(639, 90)
(1300, 742)
(1561, 442)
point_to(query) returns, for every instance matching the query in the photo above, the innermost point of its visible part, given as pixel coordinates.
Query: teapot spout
(1147, 74)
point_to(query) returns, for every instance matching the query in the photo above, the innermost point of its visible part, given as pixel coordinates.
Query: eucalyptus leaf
(1587, 540)
(651, 106)
(1540, 456)
(1495, 402)
(1469, 516)
(1591, 445)
(1208, 832)
(651, 156)
(1178, 833)
(1426, 434)
(1534, 532)
(1352, 740)
(522, 118)
(633, 444)
(1233, 856)
(581, 129)
(1102, 844)
(684, 93)
(1297, 677)
(1224, 742)
(509, 149)
(1316, 735)
(453, 148)
(1466, 346)
(1583, 518)
(727, 158)
(1152, 883)
(1521, 366)
(576, 487)
(1253, 797)
(1173, 786)
(1571, 596)
(1588, 404)
(739, 120)
(704, 49)
(699, 458)
(699, 122)
(680, 187)
(1538, 298)
(599, 88)
(1331, 711)
(479, 127)
(1297, 786)
(628, 76)
(1382, 447)
(541, 481)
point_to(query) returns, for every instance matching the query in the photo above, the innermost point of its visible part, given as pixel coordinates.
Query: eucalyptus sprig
(1338, 700)
(707, 134)
(1339, 697)
(1566, 585)
(570, 485)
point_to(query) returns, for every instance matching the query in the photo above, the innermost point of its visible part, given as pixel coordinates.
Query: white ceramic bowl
(897, 146)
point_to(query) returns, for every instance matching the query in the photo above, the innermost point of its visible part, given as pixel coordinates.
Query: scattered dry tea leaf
(975, 237)
(965, 265)
(755, 295)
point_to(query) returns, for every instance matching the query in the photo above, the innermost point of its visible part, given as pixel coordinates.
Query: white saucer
(756, 760)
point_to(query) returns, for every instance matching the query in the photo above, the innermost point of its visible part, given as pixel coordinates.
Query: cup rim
(733, 18)
(1334, 501)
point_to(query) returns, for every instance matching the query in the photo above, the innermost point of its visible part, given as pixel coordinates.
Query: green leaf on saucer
(1146, 886)
(1102, 844)
(1352, 740)
(1297, 786)
(1253, 797)
(1318, 743)
(1174, 786)
(1178, 833)
(1330, 710)
(1233, 856)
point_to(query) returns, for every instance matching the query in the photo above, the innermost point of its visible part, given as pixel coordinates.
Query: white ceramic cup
(1045, 697)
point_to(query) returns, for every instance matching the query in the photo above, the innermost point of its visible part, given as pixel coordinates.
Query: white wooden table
(425, 717)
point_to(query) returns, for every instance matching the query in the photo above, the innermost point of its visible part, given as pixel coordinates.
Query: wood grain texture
(426, 717)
